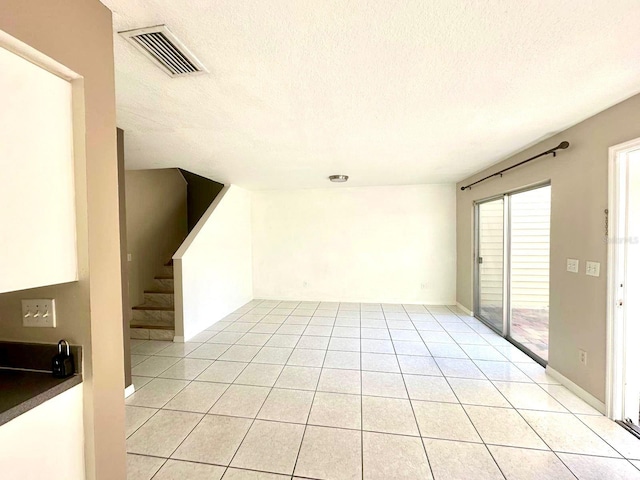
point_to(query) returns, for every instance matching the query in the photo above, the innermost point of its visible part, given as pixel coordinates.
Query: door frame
(618, 353)
(506, 275)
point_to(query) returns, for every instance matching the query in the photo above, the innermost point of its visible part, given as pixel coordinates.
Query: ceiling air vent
(162, 46)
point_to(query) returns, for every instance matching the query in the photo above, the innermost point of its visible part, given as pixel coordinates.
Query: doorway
(623, 311)
(512, 267)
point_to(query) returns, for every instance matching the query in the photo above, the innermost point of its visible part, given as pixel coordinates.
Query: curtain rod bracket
(561, 146)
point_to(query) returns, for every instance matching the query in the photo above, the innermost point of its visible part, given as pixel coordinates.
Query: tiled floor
(283, 390)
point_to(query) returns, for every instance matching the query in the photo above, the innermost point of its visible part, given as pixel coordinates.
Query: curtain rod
(561, 146)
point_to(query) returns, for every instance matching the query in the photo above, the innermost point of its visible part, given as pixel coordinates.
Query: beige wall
(578, 199)
(156, 224)
(78, 34)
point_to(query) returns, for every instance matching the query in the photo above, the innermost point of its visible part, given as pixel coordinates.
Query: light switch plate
(39, 312)
(593, 269)
(573, 265)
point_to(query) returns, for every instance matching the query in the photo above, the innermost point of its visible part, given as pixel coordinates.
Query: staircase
(155, 318)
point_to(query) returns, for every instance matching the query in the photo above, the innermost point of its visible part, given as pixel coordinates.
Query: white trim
(129, 390)
(178, 339)
(615, 329)
(577, 390)
(464, 309)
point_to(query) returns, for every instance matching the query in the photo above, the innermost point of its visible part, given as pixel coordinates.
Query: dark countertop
(20, 390)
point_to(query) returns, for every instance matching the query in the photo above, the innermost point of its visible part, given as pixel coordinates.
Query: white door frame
(618, 353)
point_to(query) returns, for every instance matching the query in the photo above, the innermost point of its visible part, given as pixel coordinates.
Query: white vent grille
(165, 50)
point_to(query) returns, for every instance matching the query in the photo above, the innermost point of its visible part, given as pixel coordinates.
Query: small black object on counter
(62, 364)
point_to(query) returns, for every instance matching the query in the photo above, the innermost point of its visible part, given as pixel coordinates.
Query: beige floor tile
(237, 474)
(197, 397)
(374, 333)
(529, 396)
(178, 349)
(283, 341)
(461, 461)
(140, 467)
(153, 366)
(179, 470)
(461, 368)
(138, 359)
(269, 328)
(209, 351)
(342, 360)
(222, 372)
(435, 389)
(314, 343)
(345, 344)
(599, 468)
(393, 456)
(336, 410)
(291, 329)
(299, 378)
(380, 384)
(240, 353)
(259, 374)
(563, 432)
(502, 371)
(186, 369)
(330, 453)
(255, 339)
(339, 381)
(537, 373)
(569, 400)
(156, 393)
(139, 382)
(273, 355)
(410, 348)
(444, 420)
(504, 426)
(477, 392)
(380, 362)
(318, 330)
(388, 415)
(162, 434)
(214, 440)
(287, 406)
(346, 332)
(612, 433)
(228, 338)
(136, 417)
(270, 447)
(240, 401)
(306, 358)
(376, 346)
(527, 464)
(418, 365)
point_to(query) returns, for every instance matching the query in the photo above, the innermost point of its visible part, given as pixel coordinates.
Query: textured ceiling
(386, 91)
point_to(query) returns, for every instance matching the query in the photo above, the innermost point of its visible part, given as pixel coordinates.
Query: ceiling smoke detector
(165, 50)
(339, 178)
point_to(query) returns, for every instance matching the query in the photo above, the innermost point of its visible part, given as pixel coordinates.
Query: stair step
(163, 285)
(164, 277)
(160, 299)
(167, 270)
(151, 315)
(152, 333)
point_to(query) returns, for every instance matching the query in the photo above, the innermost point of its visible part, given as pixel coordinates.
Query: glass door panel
(530, 222)
(490, 262)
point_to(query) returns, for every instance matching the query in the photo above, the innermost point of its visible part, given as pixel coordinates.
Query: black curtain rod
(562, 146)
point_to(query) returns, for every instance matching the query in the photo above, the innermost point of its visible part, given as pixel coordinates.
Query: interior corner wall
(79, 35)
(391, 244)
(579, 183)
(156, 224)
(214, 264)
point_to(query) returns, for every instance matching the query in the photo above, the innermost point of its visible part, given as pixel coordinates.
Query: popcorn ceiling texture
(387, 92)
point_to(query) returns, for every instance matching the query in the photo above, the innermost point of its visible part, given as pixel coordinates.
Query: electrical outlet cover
(39, 312)
(573, 265)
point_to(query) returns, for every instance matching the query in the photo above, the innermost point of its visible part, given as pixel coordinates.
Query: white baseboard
(129, 390)
(577, 390)
(464, 309)
(177, 339)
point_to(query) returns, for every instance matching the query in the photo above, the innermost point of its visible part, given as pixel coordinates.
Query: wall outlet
(39, 312)
(128, 257)
(593, 269)
(583, 357)
(573, 265)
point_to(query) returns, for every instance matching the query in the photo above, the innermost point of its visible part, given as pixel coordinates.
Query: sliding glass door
(490, 260)
(512, 267)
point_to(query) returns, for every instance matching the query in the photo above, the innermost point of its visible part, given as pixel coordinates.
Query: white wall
(213, 266)
(366, 244)
(46, 442)
(37, 193)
